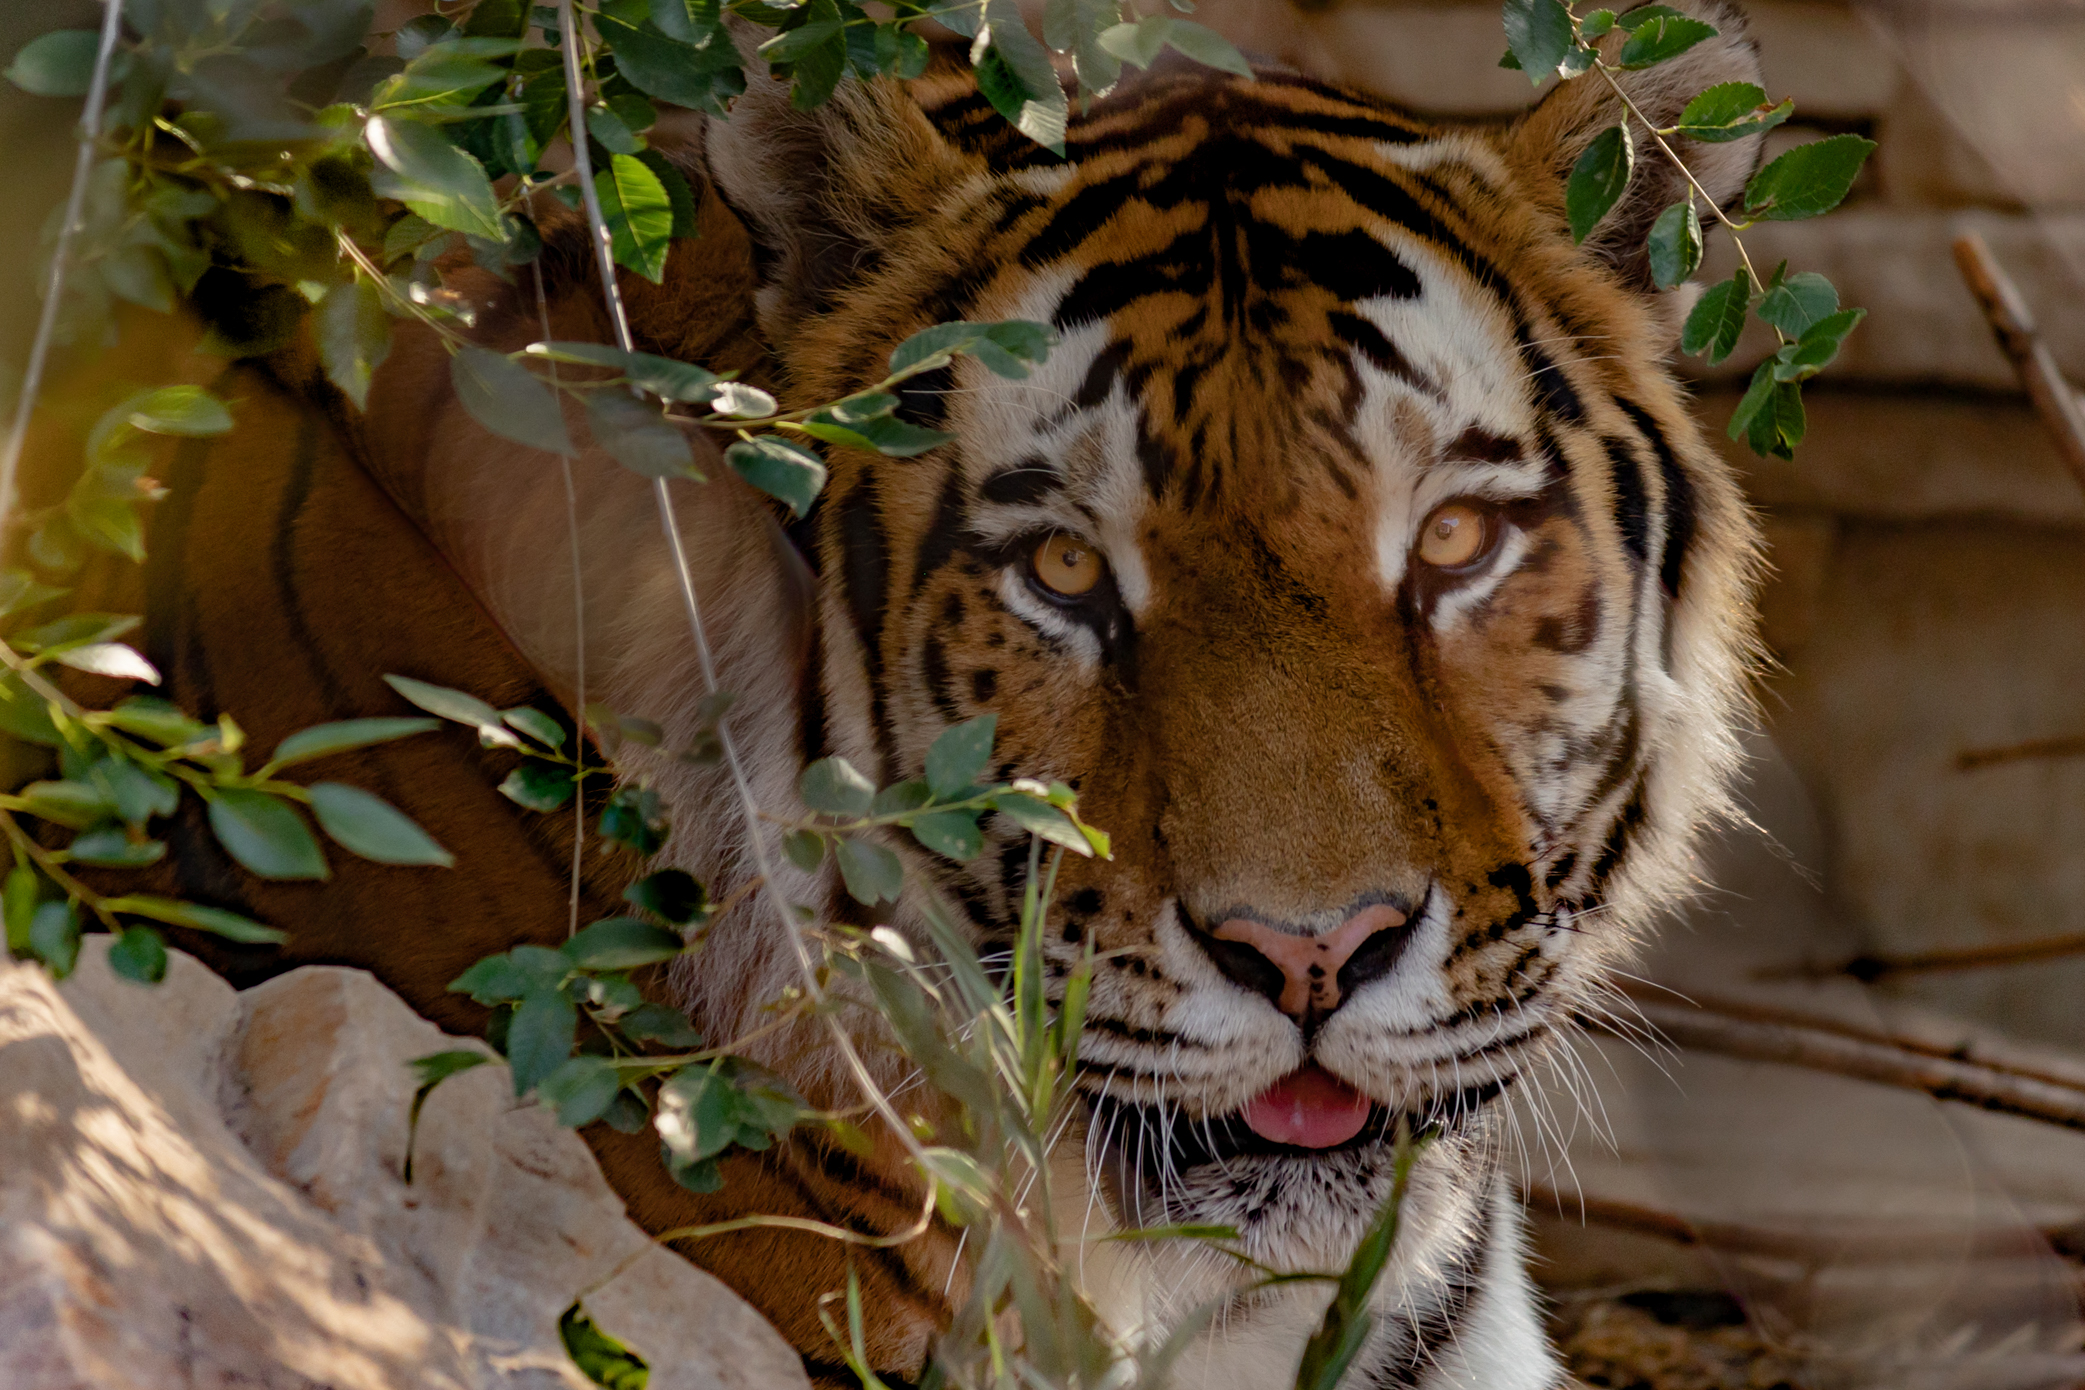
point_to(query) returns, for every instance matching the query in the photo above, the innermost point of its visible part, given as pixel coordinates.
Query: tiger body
(1295, 325)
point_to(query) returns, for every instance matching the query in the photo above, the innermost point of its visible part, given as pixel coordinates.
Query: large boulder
(204, 1188)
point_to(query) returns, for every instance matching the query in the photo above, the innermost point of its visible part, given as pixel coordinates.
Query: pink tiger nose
(1309, 972)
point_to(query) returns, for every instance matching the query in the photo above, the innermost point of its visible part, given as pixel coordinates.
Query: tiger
(1353, 554)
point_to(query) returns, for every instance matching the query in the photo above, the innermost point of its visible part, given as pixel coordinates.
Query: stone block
(203, 1189)
(1904, 455)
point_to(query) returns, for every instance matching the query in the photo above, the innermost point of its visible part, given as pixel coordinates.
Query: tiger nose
(1307, 977)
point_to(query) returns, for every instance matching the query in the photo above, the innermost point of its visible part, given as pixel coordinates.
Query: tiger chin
(1353, 554)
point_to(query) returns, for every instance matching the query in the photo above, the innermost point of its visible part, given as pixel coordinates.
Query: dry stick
(1867, 1243)
(1868, 968)
(604, 257)
(54, 287)
(2020, 340)
(1764, 1034)
(1974, 758)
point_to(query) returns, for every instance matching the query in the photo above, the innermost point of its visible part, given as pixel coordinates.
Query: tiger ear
(823, 192)
(1547, 142)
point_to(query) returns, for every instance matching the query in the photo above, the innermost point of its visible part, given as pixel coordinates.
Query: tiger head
(1353, 555)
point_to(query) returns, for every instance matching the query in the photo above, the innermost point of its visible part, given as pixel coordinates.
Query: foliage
(1546, 37)
(274, 168)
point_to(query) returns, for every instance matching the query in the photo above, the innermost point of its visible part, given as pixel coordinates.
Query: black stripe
(1552, 387)
(1631, 513)
(865, 569)
(1679, 500)
(1025, 484)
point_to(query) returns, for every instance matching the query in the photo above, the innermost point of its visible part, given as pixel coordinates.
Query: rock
(202, 1188)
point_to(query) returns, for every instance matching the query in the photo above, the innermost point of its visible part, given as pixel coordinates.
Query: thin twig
(1871, 1242)
(1762, 1033)
(1869, 967)
(54, 287)
(2013, 325)
(1974, 758)
(670, 524)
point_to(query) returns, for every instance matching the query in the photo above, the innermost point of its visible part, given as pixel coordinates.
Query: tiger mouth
(1139, 1143)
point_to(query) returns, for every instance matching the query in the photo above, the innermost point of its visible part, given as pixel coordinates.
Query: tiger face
(1352, 555)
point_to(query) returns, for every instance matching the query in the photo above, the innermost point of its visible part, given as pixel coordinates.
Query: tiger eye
(1067, 566)
(1453, 536)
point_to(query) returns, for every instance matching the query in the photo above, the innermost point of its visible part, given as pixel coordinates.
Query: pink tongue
(1311, 1108)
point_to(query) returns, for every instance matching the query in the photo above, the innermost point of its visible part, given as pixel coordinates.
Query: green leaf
(184, 410)
(600, 1358)
(805, 848)
(788, 472)
(538, 786)
(638, 213)
(507, 399)
(832, 786)
(690, 21)
(513, 974)
(1015, 74)
(1595, 25)
(1718, 319)
(661, 376)
(139, 954)
(581, 1089)
(1756, 399)
(872, 873)
(1597, 180)
(440, 182)
(638, 436)
(110, 848)
(1818, 346)
(612, 132)
(215, 920)
(622, 943)
(794, 44)
(883, 434)
(136, 795)
(324, 740)
(18, 907)
(1797, 302)
(951, 833)
(57, 64)
(660, 1024)
(900, 797)
(535, 724)
(437, 1067)
(1140, 43)
(1659, 37)
(1731, 111)
(1039, 817)
(958, 756)
(372, 827)
(19, 593)
(266, 835)
(1808, 180)
(672, 894)
(632, 819)
(54, 937)
(1347, 1321)
(1675, 244)
(354, 337)
(539, 1038)
(457, 706)
(74, 805)
(702, 79)
(1538, 34)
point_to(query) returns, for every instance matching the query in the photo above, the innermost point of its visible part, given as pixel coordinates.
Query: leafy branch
(1546, 37)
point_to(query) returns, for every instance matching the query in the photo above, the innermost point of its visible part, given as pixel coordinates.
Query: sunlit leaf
(440, 182)
(112, 659)
(1797, 302)
(1731, 111)
(638, 213)
(1661, 37)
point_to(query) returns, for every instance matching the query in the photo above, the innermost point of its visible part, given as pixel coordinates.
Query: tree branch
(2028, 1088)
(2020, 340)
